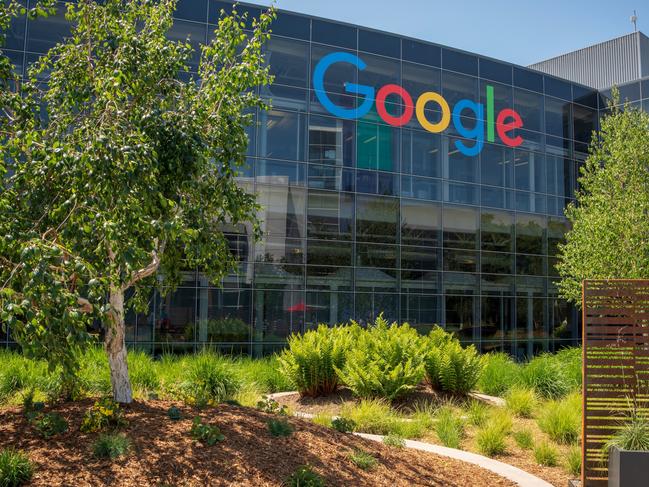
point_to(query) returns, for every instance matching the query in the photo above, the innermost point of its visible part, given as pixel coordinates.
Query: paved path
(510, 472)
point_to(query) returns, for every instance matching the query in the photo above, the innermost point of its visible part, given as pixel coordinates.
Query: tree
(610, 222)
(121, 172)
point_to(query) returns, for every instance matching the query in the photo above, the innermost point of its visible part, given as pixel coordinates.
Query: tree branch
(85, 305)
(150, 269)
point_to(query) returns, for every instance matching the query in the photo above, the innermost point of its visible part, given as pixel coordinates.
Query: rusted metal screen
(616, 365)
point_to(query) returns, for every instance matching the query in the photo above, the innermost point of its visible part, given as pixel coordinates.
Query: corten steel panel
(615, 365)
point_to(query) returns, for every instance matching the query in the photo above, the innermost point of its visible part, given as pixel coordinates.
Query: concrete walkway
(509, 472)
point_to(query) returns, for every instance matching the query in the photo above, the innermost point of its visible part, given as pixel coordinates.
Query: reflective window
(280, 250)
(502, 96)
(281, 135)
(529, 171)
(289, 61)
(584, 96)
(337, 75)
(279, 172)
(557, 117)
(495, 71)
(421, 311)
(497, 231)
(283, 211)
(333, 34)
(557, 87)
(329, 307)
(528, 79)
(629, 92)
(191, 10)
(421, 188)
(530, 265)
(377, 146)
(497, 165)
(291, 26)
(194, 33)
(559, 174)
(417, 79)
(376, 255)
(584, 122)
(461, 167)
(461, 315)
(377, 219)
(421, 223)
(460, 260)
(277, 314)
(43, 33)
(497, 263)
(330, 177)
(530, 234)
(497, 315)
(456, 87)
(462, 193)
(330, 215)
(216, 6)
(420, 258)
(331, 140)
(418, 52)
(380, 71)
(460, 227)
(223, 316)
(329, 253)
(460, 62)
(15, 35)
(379, 43)
(420, 153)
(530, 107)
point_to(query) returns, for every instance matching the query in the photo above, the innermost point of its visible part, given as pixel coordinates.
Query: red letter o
(407, 100)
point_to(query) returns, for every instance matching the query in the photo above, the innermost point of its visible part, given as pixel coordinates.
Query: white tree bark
(115, 345)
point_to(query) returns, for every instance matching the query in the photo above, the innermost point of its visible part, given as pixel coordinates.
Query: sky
(520, 32)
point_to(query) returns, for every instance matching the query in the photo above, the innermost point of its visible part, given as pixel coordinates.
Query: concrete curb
(505, 470)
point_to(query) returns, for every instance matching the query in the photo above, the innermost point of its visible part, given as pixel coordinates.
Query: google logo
(505, 122)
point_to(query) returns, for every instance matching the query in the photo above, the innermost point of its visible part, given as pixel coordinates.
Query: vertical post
(583, 383)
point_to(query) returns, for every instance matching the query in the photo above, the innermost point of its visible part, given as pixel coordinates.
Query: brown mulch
(164, 454)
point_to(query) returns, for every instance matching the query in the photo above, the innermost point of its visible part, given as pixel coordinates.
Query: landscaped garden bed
(162, 452)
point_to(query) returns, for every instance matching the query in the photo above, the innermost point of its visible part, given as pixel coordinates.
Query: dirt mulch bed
(164, 454)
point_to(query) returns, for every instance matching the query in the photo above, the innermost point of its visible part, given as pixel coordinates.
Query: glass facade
(361, 217)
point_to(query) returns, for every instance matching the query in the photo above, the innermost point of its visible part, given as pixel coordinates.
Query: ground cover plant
(304, 476)
(111, 445)
(207, 434)
(15, 468)
(363, 459)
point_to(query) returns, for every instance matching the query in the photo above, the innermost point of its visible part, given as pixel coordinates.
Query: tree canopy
(120, 166)
(610, 221)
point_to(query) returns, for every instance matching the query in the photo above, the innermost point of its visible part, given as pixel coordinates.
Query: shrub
(102, 414)
(499, 374)
(264, 372)
(51, 424)
(449, 427)
(323, 419)
(304, 476)
(521, 401)
(142, 371)
(269, 405)
(363, 459)
(571, 361)
(477, 413)
(279, 427)
(394, 440)
(344, 425)
(385, 361)
(501, 419)
(211, 379)
(174, 413)
(547, 376)
(545, 454)
(111, 446)
(524, 439)
(561, 420)
(452, 368)
(312, 358)
(15, 468)
(205, 433)
(490, 441)
(18, 372)
(573, 461)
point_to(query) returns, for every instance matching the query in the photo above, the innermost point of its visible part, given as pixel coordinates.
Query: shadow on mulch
(164, 454)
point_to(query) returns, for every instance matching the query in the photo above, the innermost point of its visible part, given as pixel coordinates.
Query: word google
(506, 121)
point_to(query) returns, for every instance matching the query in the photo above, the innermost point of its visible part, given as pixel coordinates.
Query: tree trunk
(115, 346)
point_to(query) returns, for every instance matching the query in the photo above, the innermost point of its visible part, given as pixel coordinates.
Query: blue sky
(520, 32)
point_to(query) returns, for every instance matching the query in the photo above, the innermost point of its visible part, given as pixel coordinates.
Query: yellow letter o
(423, 100)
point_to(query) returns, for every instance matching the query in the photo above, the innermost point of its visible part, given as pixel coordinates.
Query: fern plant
(311, 360)
(386, 361)
(450, 367)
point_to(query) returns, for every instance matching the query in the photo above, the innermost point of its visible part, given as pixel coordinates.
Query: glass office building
(362, 217)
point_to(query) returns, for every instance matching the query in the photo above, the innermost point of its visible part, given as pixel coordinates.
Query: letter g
(318, 85)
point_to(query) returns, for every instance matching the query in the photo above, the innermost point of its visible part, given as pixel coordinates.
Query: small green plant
(545, 454)
(547, 376)
(210, 379)
(499, 374)
(490, 441)
(344, 425)
(524, 439)
(386, 361)
(477, 412)
(304, 476)
(174, 413)
(501, 419)
(633, 434)
(521, 401)
(111, 445)
(573, 461)
(449, 427)
(453, 368)
(279, 427)
(561, 420)
(394, 440)
(363, 459)
(269, 405)
(15, 468)
(311, 360)
(371, 416)
(207, 434)
(104, 413)
(323, 419)
(51, 424)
